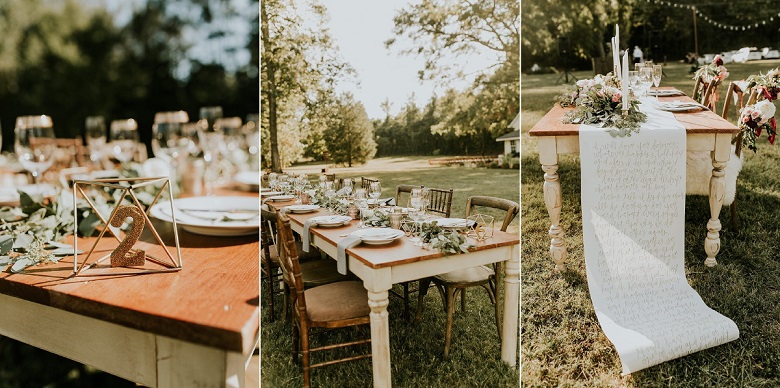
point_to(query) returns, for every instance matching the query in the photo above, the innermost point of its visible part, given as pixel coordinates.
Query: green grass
(415, 348)
(562, 342)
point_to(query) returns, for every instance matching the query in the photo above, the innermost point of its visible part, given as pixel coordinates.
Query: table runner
(633, 205)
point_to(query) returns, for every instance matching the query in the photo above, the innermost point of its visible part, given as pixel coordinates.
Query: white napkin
(341, 253)
(306, 235)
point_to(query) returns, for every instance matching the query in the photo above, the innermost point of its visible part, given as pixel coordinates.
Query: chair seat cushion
(337, 301)
(467, 275)
(319, 272)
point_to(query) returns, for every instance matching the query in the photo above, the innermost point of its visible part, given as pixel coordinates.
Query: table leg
(511, 308)
(717, 191)
(720, 156)
(380, 338)
(552, 198)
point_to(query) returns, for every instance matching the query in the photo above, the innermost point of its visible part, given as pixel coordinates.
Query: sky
(360, 28)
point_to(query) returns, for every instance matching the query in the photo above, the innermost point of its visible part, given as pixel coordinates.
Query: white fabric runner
(633, 209)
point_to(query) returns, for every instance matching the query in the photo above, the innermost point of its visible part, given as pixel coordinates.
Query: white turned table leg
(717, 191)
(380, 338)
(720, 156)
(552, 199)
(511, 308)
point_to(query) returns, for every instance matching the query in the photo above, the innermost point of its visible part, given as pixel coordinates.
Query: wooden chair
(736, 96)
(366, 182)
(332, 306)
(405, 191)
(708, 90)
(487, 277)
(440, 201)
(316, 271)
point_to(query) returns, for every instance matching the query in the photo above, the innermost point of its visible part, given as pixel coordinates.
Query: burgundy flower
(772, 139)
(767, 94)
(718, 61)
(773, 123)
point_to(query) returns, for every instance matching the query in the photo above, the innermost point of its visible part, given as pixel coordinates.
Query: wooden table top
(400, 251)
(212, 301)
(701, 121)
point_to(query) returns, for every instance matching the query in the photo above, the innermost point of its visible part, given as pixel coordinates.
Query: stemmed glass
(417, 213)
(35, 144)
(347, 186)
(95, 131)
(124, 139)
(657, 73)
(375, 191)
(646, 78)
(361, 202)
(329, 193)
(168, 140)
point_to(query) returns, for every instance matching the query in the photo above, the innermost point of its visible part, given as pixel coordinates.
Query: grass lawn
(562, 342)
(415, 349)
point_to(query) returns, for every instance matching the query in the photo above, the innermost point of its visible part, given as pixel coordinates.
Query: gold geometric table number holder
(124, 255)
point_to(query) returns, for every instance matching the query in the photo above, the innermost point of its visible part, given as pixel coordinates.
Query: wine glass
(347, 186)
(657, 73)
(35, 144)
(329, 192)
(646, 78)
(361, 201)
(375, 191)
(168, 140)
(124, 139)
(95, 131)
(417, 214)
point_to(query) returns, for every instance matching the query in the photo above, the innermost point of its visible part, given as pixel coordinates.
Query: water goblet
(646, 78)
(124, 139)
(95, 131)
(347, 186)
(168, 140)
(35, 144)
(375, 191)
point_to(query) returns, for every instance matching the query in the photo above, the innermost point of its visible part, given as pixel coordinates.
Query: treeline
(70, 61)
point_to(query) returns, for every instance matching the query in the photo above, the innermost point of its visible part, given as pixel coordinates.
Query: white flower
(767, 109)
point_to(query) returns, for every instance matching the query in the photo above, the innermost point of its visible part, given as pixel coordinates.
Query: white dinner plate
(213, 216)
(453, 223)
(331, 221)
(302, 208)
(248, 178)
(680, 106)
(665, 92)
(378, 236)
(271, 193)
(280, 198)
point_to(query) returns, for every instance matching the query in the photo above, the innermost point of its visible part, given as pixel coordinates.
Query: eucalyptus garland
(446, 241)
(376, 217)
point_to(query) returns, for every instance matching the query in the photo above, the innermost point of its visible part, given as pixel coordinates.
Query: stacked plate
(331, 221)
(665, 92)
(453, 223)
(212, 216)
(301, 208)
(677, 106)
(378, 236)
(280, 198)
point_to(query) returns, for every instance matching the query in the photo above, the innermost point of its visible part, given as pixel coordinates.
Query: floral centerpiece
(767, 85)
(710, 72)
(599, 101)
(755, 119)
(447, 241)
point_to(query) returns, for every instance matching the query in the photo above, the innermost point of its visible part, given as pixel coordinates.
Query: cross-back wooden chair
(708, 90)
(332, 306)
(487, 277)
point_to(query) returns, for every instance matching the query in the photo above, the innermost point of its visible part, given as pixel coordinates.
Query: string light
(707, 19)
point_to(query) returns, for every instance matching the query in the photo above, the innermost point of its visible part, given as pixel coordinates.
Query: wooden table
(382, 266)
(194, 328)
(706, 132)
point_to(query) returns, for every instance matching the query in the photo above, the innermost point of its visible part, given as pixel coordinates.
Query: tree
(442, 30)
(298, 59)
(350, 138)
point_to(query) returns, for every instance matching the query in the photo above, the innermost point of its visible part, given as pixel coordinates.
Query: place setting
(213, 216)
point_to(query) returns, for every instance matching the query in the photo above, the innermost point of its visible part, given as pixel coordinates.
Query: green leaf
(21, 264)
(4, 260)
(23, 241)
(6, 244)
(28, 203)
(87, 225)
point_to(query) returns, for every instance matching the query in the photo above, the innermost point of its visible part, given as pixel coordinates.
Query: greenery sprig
(598, 101)
(378, 218)
(446, 241)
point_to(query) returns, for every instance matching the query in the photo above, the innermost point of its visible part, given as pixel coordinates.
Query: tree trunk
(270, 92)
